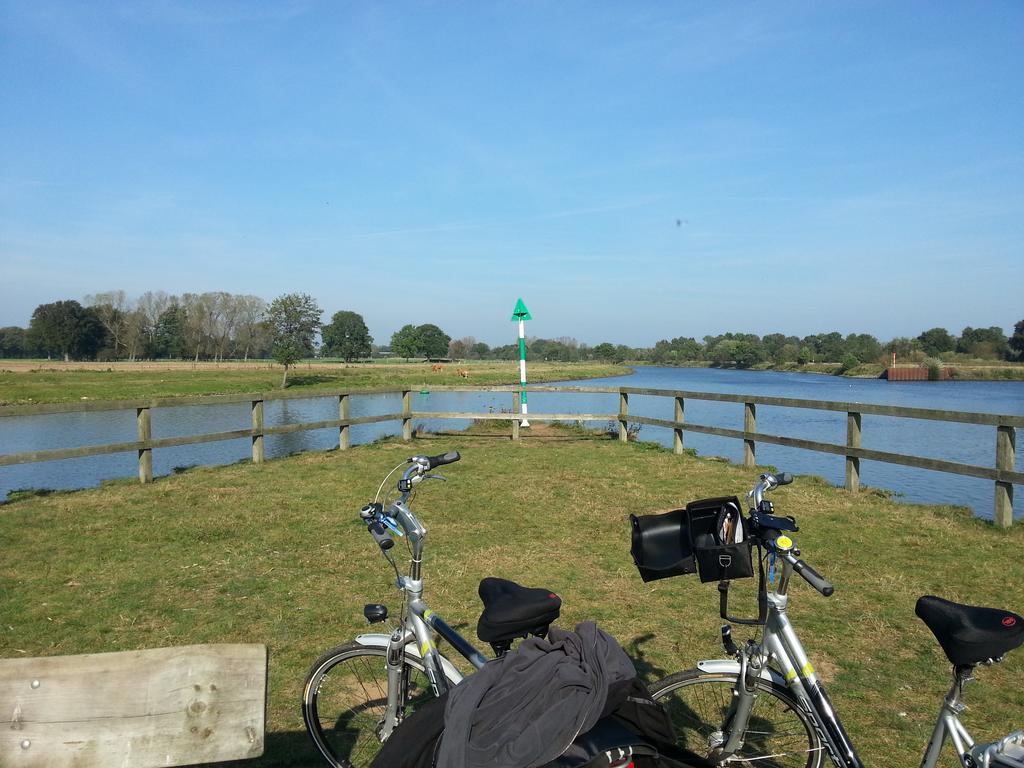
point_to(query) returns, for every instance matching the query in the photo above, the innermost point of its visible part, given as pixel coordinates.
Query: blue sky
(634, 171)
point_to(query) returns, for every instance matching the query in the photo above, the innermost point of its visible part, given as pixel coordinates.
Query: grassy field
(40, 383)
(275, 554)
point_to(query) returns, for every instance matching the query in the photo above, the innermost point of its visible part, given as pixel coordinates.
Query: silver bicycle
(357, 694)
(765, 706)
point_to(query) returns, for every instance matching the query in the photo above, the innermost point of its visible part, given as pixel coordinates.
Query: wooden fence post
(677, 432)
(144, 428)
(257, 431)
(515, 414)
(344, 439)
(1006, 446)
(623, 413)
(406, 414)
(852, 441)
(749, 426)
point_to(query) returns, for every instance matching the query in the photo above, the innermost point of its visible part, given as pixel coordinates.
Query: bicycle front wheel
(344, 700)
(779, 734)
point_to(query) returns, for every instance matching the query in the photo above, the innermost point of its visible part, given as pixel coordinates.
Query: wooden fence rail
(1002, 473)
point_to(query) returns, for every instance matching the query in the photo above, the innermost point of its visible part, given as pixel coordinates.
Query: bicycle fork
(730, 738)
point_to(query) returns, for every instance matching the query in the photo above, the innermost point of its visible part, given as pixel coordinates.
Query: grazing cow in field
(463, 373)
(437, 368)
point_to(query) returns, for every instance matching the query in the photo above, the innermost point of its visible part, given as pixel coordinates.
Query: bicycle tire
(779, 733)
(343, 702)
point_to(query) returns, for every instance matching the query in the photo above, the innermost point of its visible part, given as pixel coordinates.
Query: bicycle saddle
(969, 634)
(512, 611)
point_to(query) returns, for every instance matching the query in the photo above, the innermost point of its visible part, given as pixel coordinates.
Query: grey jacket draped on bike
(525, 708)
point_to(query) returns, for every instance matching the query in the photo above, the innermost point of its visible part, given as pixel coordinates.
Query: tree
(151, 305)
(405, 342)
(935, 341)
(169, 333)
(460, 349)
(347, 336)
(983, 342)
(250, 315)
(479, 351)
(863, 346)
(13, 342)
(605, 351)
(1017, 340)
(111, 309)
(433, 342)
(67, 328)
(294, 319)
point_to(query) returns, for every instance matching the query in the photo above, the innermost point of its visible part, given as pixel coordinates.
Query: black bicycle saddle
(512, 611)
(969, 634)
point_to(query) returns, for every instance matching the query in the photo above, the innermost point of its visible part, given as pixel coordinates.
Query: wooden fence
(1002, 474)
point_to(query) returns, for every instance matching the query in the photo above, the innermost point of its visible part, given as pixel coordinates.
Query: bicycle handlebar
(811, 576)
(441, 459)
(769, 482)
(380, 535)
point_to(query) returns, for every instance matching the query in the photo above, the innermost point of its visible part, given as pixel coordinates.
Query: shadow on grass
(645, 669)
(20, 494)
(309, 379)
(281, 750)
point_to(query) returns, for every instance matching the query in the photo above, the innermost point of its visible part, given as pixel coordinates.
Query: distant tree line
(197, 326)
(219, 325)
(744, 350)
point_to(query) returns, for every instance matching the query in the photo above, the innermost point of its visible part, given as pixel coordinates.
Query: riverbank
(957, 371)
(24, 382)
(275, 554)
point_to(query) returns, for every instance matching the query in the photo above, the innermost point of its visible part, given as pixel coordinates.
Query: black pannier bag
(707, 537)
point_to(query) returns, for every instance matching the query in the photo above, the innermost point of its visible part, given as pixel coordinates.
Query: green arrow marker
(522, 314)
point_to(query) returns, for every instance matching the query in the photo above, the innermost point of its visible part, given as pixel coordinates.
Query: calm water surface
(955, 442)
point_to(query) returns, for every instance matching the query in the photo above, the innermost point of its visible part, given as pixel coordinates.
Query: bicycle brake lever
(442, 478)
(391, 525)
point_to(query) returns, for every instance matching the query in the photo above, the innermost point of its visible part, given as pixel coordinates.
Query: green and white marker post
(522, 314)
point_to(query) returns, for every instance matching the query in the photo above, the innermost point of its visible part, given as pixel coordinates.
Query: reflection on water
(966, 443)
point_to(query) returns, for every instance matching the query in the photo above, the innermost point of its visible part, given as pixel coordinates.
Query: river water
(966, 443)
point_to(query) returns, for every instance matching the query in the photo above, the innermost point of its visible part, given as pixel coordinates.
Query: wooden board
(159, 707)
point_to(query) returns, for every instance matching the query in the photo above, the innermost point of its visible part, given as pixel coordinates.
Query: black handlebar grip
(446, 458)
(380, 534)
(784, 478)
(814, 578)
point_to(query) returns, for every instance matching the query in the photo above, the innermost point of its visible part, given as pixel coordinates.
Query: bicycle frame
(781, 646)
(415, 638)
(414, 635)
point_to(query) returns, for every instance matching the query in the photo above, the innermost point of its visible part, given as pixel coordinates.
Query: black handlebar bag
(707, 537)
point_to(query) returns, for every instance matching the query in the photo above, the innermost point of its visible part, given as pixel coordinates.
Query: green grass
(156, 380)
(275, 554)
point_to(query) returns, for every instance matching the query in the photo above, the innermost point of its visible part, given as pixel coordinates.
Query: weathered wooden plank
(158, 707)
(28, 457)
(677, 431)
(258, 452)
(304, 426)
(919, 462)
(652, 422)
(853, 436)
(623, 416)
(516, 408)
(515, 416)
(1006, 449)
(964, 417)
(749, 428)
(344, 438)
(144, 431)
(784, 402)
(406, 415)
